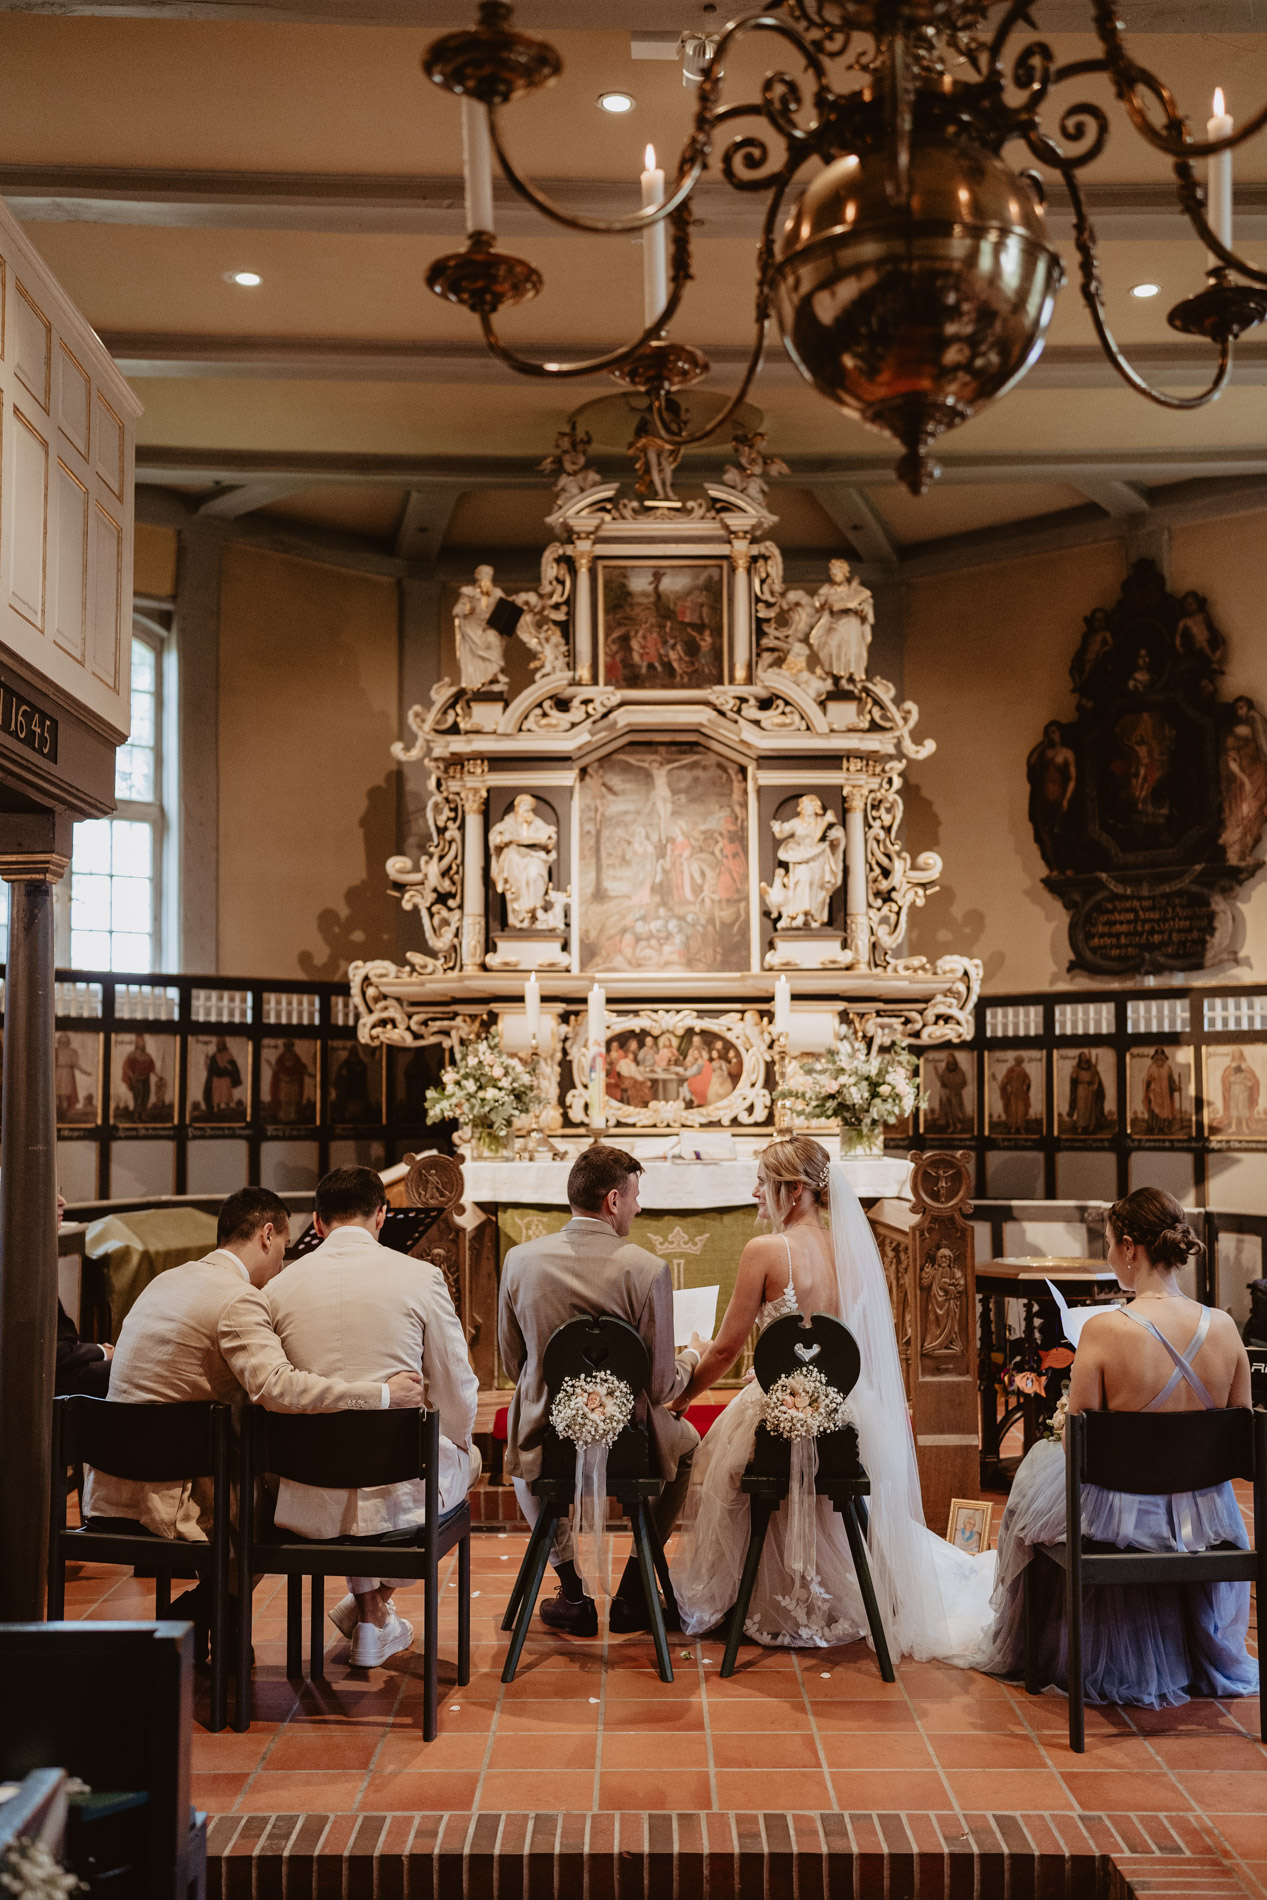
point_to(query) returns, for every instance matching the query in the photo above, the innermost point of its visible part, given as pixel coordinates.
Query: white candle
(1218, 178)
(597, 1057)
(655, 244)
(477, 166)
(532, 1005)
(782, 1007)
(597, 1016)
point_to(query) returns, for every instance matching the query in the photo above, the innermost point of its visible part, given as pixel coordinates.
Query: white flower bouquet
(484, 1089)
(30, 1871)
(804, 1405)
(593, 1409)
(864, 1090)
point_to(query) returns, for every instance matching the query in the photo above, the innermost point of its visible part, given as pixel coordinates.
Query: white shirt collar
(350, 1231)
(224, 1257)
(591, 1220)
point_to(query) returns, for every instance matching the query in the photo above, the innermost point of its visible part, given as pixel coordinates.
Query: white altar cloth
(666, 1186)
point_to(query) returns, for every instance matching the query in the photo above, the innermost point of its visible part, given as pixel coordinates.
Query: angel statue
(523, 848)
(480, 647)
(841, 636)
(752, 477)
(655, 458)
(543, 637)
(569, 456)
(785, 657)
(811, 854)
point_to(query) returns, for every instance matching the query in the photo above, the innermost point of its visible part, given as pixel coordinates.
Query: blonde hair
(787, 1166)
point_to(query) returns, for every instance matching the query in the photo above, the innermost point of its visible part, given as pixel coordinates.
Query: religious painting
(662, 623)
(1236, 1094)
(693, 1068)
(948, 1083)
(77, 1078)
(673, 1068)
(663, 861)
(288, 1082)
(1017, 1094)
(354, 1085)
(218, 1083)
(412, 1073)
(143, 1073)
(1086, 1094)
(1160, 1093)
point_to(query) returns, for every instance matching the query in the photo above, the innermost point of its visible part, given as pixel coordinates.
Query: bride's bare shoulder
(763, 1250)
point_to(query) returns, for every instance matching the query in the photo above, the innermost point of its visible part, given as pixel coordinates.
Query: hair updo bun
(1155, 1221)
(788, 1166)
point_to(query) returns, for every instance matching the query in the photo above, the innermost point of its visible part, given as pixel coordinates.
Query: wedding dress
(934, 1600)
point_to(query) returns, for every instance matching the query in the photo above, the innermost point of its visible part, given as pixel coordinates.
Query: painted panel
(33, 345)
(28, 519)
(70, 562)
(109, 447)
(106, 584)
(74, 401)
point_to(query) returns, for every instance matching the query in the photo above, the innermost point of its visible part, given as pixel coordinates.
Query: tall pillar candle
(473, 899)
(532, 1006)
(477, 166)
(857, 925)
(1219, 178)
(655, 244)
(596, 1039)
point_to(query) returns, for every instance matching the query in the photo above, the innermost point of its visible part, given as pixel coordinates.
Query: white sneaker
(371, 1645)
(343, 1616)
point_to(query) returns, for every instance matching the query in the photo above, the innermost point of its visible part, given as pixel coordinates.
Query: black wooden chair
(790, 1345)
(586, 1346)
(1148, 1452)
(352, 1451)
(148, 1444)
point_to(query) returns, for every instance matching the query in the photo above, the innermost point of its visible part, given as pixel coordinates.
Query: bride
(934, 1600)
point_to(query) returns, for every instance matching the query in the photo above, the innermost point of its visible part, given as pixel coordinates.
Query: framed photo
(969, 1526)
(1016, 1093)
(662, 623)
(1160, 1095)
(144, 1070)
(1086, 1094)
(354, 1085)
(77, 1077)
(1235, 1094)
(218, 1082)
(948, 1079)
(288, 1081)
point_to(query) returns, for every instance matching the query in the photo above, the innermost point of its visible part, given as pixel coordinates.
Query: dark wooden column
(28, 1208)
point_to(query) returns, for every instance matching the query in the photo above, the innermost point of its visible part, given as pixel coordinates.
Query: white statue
(568, 456)
(784, 657)
(523, 848)
(811, 853)
(841, 636)
(543, 637)
(480, 647)
(751, 477)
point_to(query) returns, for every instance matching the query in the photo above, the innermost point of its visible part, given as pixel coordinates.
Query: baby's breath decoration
(593, 1409)
(28, 1869)
(804, 1405)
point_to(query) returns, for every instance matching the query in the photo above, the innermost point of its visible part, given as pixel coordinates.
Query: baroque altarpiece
(701, 791)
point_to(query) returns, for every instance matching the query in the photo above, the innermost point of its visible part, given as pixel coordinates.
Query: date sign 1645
(28, 724)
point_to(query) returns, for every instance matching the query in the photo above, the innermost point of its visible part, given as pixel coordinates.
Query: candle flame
(648, 157)
(1218, 109)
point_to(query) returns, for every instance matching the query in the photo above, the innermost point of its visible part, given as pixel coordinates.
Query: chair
(581, 1346)
(788, 1345)
(149, 1444)
(352, 1451)
(112, 1705)
(1155, 1452)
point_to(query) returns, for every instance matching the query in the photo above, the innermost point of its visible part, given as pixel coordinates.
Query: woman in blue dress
(1152, 1645)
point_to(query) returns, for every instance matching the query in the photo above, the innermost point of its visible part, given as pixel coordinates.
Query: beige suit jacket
(354, 1309)
(586, 1269)
(174, 1345)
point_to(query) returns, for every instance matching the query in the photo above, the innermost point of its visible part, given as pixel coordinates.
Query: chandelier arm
(688, 176)
(1193, 210)
(1018, 11)
(1129, 77)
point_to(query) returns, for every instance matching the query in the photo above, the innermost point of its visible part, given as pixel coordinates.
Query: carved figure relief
(942, 1282)
(811, 856)
(569, 457)
(480, 646)
(523, 848)
(751, 476)
(841, 635)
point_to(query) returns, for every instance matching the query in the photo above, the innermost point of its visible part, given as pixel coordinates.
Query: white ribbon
(593, 1546)
(801, 1544)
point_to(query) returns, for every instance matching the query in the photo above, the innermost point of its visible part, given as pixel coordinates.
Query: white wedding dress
(934, 1600)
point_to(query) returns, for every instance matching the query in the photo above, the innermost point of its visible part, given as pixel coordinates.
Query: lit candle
(655, 244)
(1218, 181)
(477, 165)
(782, 1007)
(532, 1005)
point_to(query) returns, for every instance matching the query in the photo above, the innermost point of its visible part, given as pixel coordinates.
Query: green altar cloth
(136, 1248)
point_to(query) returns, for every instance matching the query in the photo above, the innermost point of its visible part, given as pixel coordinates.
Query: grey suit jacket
(587, 1269)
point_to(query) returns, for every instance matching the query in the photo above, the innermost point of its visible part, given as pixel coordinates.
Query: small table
(1023, 1277)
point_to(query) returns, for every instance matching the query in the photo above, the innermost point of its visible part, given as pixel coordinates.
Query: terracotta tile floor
(588, 1726)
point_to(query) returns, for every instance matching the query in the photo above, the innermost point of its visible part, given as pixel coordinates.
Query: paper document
(694, 1311)
(1074, 1318)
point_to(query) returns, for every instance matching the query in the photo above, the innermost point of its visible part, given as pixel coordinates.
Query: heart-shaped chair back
(600, 1343)
(819, 1342)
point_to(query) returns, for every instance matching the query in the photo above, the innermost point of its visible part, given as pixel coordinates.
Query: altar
(667, 1186)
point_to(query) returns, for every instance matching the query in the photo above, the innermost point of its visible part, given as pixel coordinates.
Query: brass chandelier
(906, 263)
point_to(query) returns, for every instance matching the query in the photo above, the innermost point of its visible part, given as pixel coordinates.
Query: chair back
(597, 1343)
(815, 1342)
(150, 1444)
(343, 1451)
(1161, 1452)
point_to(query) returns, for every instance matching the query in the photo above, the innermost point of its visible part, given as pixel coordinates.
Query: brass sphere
(912, 311)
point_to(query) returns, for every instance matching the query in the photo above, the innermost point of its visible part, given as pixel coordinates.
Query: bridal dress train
(934, 1600)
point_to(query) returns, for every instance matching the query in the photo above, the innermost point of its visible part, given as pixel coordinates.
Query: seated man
(592, 1267)
(350, 1306)
(174, 1345)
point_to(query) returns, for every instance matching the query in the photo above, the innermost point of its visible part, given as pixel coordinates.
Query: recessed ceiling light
(616, 102)
(247, 278)
(1145, 290)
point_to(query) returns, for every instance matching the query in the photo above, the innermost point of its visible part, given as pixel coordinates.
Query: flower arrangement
(484, 1089)
(864, 1090)
(28, 1869)
(593, 1409)
(804, 1405)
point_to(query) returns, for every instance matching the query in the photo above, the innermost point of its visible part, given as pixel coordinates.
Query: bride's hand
(699, 1346)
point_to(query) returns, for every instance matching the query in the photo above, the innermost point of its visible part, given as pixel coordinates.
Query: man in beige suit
(345, 1310)
(592, 1267)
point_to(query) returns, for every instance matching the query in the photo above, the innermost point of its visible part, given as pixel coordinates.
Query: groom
(592, 1267)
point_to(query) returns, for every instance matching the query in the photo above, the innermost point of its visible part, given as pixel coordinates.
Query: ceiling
(152, 150)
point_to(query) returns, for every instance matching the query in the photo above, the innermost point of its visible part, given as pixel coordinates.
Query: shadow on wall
(936, 928)
(364, 927)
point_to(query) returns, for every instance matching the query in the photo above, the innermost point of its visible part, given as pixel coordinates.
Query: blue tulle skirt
(1151, 1645)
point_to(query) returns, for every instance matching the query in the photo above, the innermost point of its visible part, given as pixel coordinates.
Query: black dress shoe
(569, 1618)
(627, 1615)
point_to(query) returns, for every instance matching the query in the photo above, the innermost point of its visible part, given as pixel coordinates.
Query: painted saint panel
(662, 624)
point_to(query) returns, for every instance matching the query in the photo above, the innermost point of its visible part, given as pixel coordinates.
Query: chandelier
(904, 260)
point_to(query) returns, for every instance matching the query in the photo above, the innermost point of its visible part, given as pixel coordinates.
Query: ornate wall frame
(748, 1104)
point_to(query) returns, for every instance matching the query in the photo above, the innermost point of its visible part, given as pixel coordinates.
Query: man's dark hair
(349, 1194)
(245, 1212)
(595, 1173)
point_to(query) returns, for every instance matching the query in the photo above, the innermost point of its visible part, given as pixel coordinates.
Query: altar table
(667, 1186)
